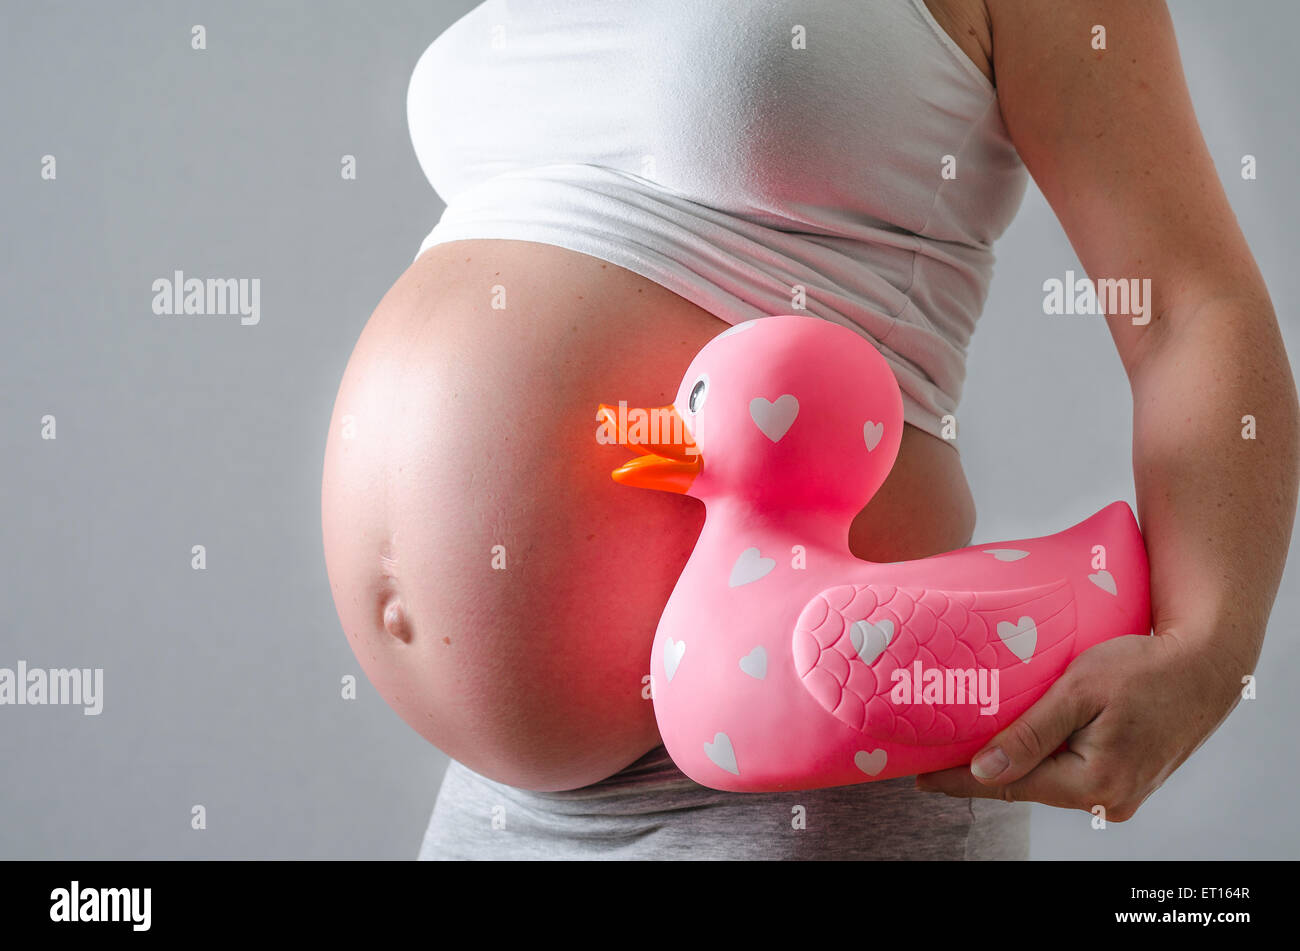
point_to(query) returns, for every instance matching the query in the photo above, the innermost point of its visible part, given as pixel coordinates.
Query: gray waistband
(650, 810)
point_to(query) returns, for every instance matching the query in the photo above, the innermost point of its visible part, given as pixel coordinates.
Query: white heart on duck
(722, 753)
(755, 663)
(871, 763)
(1006, 554)
(774, 419)
(1021, 638)
(871, 433)
(870, 640)
(673, 651)
(749, 567)
(1104, 580)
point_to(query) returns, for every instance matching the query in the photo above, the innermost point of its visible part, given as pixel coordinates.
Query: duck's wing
(861, 649)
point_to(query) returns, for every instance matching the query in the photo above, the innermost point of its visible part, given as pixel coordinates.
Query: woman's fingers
(1018, 763)
(1056, 781)
(1040, 731)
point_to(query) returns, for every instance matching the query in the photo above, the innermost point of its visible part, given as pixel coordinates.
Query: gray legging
(651, 810)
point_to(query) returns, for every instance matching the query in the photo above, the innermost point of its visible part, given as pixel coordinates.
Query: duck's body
(782, 661)
(773, 692)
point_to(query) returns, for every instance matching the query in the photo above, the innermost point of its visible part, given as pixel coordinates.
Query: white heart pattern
(870, 640)
(872, 432)
(1104, 580)
(755, 663)
(1021, 638)
(774, 419)
(1006, 554)
(722, 753)
(673, 651)
(872, 763)
(749, 567)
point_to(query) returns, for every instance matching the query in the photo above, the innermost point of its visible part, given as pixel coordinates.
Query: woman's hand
(1129, 710)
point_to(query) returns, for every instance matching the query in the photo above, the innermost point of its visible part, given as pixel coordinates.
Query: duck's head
(783, 413)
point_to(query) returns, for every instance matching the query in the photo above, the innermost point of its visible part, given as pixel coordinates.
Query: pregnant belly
(498, 588)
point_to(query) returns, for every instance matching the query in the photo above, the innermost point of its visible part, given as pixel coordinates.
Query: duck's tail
(1106, 561)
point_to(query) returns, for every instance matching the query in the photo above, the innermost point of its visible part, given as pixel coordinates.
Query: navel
(396, 623)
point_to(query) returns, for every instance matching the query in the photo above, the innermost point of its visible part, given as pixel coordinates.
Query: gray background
(222, 686)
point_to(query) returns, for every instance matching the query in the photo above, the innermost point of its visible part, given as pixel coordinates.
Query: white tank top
(756, 158)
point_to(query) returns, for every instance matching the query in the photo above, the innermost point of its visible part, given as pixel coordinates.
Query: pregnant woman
(623, 181)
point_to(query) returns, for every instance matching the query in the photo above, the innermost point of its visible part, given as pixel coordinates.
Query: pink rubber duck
(781, 661)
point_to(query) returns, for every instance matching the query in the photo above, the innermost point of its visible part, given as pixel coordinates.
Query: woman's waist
(650, 810)
(651, 784)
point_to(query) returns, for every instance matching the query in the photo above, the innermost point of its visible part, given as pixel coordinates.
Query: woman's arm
(1111, 139)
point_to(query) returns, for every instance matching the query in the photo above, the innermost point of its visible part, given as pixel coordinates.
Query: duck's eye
(698, 392)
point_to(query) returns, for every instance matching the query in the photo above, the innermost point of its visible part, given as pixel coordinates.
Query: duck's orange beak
(669, 460)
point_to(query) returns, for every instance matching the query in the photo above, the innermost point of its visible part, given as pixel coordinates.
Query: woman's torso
(498, 589)
(845, 160)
